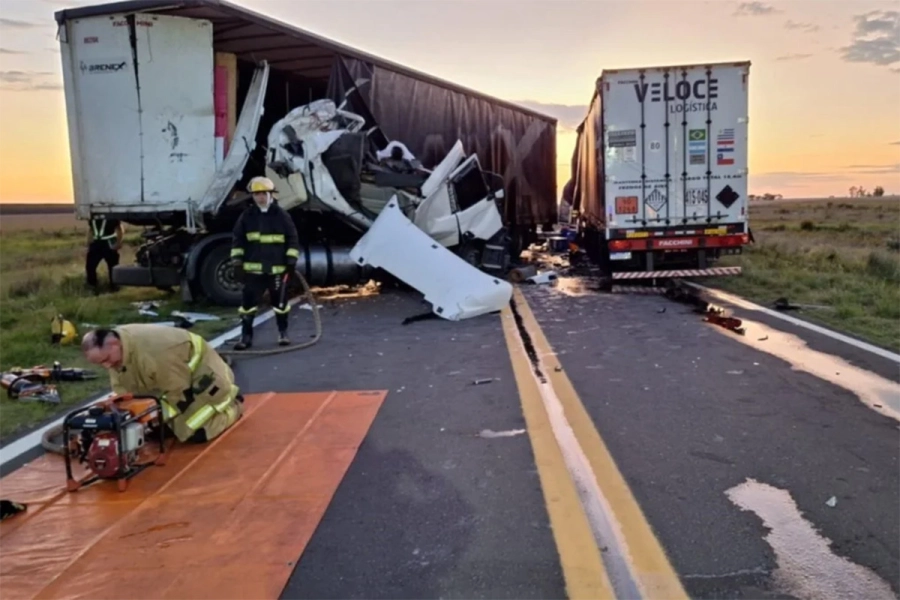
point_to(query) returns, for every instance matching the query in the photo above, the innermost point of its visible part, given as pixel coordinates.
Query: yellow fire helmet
(260, 184)
(62, 331)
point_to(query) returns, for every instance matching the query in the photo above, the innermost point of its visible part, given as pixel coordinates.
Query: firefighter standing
(265, 247)
(104, 242)
(200, 398)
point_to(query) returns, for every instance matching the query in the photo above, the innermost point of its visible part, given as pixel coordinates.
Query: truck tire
(218, 280)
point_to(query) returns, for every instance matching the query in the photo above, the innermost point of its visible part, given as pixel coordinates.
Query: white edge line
(31, 441)
(738, 301)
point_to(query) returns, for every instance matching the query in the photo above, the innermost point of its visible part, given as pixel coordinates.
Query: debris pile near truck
(318, 156)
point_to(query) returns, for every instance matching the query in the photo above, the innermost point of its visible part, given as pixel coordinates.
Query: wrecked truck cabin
(173, 106)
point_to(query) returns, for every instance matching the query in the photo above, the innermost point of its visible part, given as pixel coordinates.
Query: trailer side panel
(428, 118)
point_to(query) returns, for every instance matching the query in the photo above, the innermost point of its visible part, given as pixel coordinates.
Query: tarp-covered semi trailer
(659, 172)
(170, 106)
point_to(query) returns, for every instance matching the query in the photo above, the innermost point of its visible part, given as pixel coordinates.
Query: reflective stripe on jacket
(265, 242)
(178, 366)
(100, 232)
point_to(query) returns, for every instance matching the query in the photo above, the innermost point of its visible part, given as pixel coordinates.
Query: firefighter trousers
(255, 285)
(212, 404)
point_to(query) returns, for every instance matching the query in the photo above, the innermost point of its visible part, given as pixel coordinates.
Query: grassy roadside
(840, 255)
(41, 275)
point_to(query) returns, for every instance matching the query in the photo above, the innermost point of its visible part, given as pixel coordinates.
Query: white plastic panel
(455, 289)
(102, 100)
(242, 145)
(640, 149)
(176, 66)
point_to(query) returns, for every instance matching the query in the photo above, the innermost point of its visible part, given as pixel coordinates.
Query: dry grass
(38, 223)
(842, 254)
(41, 275)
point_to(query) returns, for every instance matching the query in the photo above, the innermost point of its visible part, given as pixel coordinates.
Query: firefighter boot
(282, 321)
(246, 333)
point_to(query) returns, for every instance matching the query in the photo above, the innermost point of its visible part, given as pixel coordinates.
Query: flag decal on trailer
(725, 147)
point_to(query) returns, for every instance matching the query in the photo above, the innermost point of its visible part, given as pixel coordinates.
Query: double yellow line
(581, 560)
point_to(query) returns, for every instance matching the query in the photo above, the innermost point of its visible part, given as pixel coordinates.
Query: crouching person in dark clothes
(104, 242)
(265, 247)
(196, 386)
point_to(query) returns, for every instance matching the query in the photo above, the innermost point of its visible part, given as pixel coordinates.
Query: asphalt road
(429, 508)
(689, 412)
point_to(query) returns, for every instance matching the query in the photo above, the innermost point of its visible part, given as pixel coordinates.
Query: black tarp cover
(429, 119)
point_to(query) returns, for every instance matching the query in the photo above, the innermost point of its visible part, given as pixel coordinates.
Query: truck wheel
(218, 279)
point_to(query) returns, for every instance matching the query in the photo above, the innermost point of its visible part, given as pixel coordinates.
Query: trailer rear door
(139, 89)
(675, 141)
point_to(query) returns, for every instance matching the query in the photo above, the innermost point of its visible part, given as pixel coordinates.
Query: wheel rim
(225, 277)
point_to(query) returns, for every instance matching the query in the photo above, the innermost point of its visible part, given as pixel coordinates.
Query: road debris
(488, 433)
(196, 316)
(543, 278)
(520, 274)
(484, 381)
(832, 502)
(783, 304)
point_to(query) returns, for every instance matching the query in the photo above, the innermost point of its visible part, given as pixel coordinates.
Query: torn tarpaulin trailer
(429, 118)
(455, 289)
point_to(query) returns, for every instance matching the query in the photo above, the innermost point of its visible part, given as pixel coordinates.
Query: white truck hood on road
(455, 289)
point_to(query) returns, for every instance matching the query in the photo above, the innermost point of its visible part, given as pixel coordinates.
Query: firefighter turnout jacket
(266, 242)
(196, 386)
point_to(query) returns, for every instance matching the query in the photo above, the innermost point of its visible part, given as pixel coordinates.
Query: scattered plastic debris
(832, 502)
(195, 316)
(520, 274)
(487, 433)
(483, 381)
(546, 277)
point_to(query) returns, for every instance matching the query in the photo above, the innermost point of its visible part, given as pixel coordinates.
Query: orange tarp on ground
(227, 519)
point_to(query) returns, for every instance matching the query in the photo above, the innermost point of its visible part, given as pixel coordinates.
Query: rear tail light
(619, 245)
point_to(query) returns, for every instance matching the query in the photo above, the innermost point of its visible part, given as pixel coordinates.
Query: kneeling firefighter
(196, 386)
(265, 247)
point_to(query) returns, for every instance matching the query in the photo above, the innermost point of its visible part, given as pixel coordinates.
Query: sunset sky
(824, 95)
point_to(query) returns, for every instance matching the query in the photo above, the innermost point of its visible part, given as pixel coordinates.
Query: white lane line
(31, 441)
(738, 301)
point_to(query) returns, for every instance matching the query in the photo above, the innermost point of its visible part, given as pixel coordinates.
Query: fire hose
(55, 432)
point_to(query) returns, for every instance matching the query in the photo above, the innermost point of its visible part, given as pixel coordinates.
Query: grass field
(41, 275)
(842, 255)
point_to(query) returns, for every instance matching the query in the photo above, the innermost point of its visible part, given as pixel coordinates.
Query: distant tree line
(861, 192)
(857, 191)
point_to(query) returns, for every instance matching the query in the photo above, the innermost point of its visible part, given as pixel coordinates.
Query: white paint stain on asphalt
(876, 392)
(806, 566)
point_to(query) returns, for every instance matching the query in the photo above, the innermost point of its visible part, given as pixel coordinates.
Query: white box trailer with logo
(659, 173)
